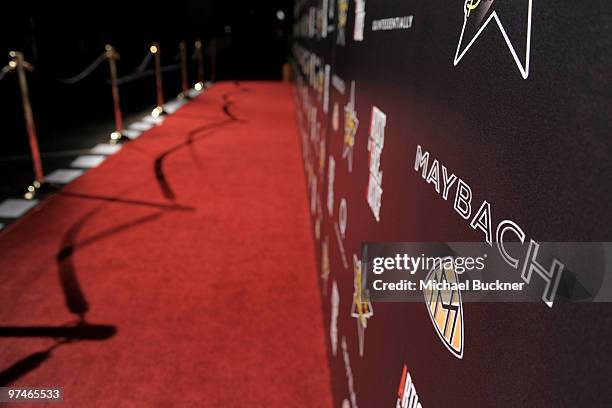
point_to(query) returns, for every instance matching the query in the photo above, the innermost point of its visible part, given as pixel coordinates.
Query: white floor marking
(15, 208)
(63, 176)
(88, 161)
(174, 105)
(193, 93)
(105, 148)
(131, 134)
(141, 126)
(154, 121)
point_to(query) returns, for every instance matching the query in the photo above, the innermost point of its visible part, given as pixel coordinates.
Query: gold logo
(325, 263)
(351, 123)
(342, 13)
(342, 20)
(336, 117)
(443, 300)
(322, 155)
(362, 308)
(319, 82)
(470, 5)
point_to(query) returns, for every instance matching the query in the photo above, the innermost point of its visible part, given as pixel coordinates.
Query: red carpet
(189, 258)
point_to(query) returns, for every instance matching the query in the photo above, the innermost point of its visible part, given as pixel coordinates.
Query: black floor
(58, 149)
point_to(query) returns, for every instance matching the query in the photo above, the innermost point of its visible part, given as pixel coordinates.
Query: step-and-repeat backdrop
(441, 121)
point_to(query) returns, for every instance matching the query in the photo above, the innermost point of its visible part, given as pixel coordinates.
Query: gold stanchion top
(18, 59)
(110, 52)
(154, 48)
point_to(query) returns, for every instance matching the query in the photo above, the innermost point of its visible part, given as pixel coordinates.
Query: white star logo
(474, 13)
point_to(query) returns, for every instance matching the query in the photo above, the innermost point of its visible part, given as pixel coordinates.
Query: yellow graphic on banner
(351, 124)
(470, 5)
(350, 127)
(320, 81)
(361, 309)
(342, 13)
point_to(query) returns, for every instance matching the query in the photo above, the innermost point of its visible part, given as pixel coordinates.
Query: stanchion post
(200, 58)
(184, 85)
(112, 57)
(20, 65)
(156, 51)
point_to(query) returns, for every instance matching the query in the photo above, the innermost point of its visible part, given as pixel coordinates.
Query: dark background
(61, 39)
(537, 149)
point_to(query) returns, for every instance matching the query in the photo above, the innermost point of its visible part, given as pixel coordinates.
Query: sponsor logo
(327, 14)
(406, 394)
(340, 228)
(331, 12)
(376, 142)
(314, 126)
(338, 84)
(336, 117)
(322, 154)
(342, 217)
(443, 181)
(325, 263)
(333, 327)
(392, 23)
(326, 88)
(324, 7)
(313, 71)
(342, 19)
(477, 14)
(362, 308)
(359, 20)
(312, 22)
(351, 123)
(445, 307)
(331, 175)
(320, 83)
(313, 189)
(318, 221)
(319, 23)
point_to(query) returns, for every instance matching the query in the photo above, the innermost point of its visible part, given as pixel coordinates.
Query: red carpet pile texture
(179, 273)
